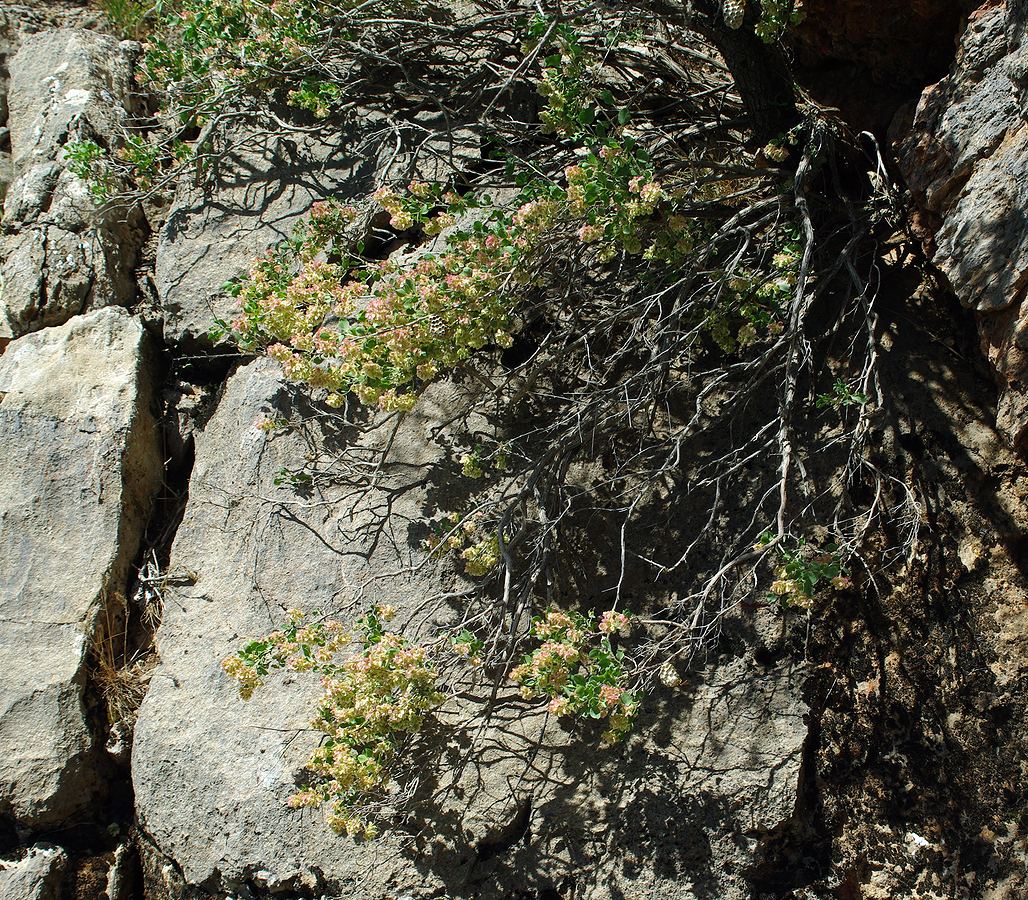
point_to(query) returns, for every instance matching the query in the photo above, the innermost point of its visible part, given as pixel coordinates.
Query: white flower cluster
(734, 12)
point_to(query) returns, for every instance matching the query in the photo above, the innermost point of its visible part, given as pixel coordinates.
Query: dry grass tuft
(121, 682)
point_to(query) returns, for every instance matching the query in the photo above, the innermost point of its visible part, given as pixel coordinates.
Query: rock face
(511, 802)
(16, 23)
(965, 159)
(37, 875)
(213, 236)
(724, 790)
(60, 255)
(79, 468)
(266, 180)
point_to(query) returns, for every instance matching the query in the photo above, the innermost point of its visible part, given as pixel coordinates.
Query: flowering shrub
(775, 16)
(373, 328)
(568, 82)
(208, 51)
(382, 331)
(479, 550)
(630, 253)
(578, 669)
(468, 646)
(482, 557)
(337, 323)
(376, 698)
(474, 463)
(373, 701)
(801, 571)
(298, 647)
(756, 301)
(617, 195)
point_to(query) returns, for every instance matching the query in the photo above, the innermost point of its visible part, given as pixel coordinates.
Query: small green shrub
(842, 395)
(129, 18)
(374, 701)
(87, 161)
(579, 670)
(802, 570)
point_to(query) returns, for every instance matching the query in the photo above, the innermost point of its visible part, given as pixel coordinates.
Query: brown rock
(867, 57)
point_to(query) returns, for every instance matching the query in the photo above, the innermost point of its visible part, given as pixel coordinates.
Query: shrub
(578, 669)
(683, 299)
(374, 701)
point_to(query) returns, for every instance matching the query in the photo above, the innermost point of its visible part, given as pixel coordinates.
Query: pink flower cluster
(577, 669)
(381, 330)
(376, 329)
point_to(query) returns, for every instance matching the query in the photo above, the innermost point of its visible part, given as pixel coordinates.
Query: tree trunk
(760, 71)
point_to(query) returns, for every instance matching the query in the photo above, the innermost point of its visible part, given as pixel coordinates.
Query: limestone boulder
(508, 800)
(61, 256)
(965, 158)
(263, 184)
(80, 466)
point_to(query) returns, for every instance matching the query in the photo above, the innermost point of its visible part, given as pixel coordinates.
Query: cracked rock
(62, 256)
(532, 803)
(36, 875)
(79, 469)
(965, 159)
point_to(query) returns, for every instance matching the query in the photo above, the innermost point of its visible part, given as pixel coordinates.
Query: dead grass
(121, 680)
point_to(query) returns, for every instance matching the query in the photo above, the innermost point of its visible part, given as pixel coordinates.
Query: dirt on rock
(916, 773)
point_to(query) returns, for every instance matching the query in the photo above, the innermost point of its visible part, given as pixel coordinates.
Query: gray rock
(962, 119)
(982, 246)
(265, 181)
(64, 82)
(512, 801)
(214, 235)
(62, 256)
(36, 875)
(966, 162)
(6, 169)
(79, 468)
(19, 19)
